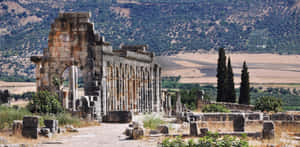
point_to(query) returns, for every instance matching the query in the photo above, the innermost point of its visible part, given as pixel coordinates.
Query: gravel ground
(106, 135)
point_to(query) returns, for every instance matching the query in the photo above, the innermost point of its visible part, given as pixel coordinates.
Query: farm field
(270, 70)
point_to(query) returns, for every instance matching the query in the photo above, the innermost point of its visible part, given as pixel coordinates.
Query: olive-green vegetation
(152, 122)
(230, 90)
(167, 26)
(192, 24)
(4, 96)
(9, 114)
(268, 103)
(45, 102)
(221, 76)
(245, 86)
(290, 97)
(214, 108)
(211, 140)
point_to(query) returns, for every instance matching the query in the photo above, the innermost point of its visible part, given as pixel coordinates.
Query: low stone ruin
(30, 127)
(134, 131)
(257, 125)
(268, 131)
(118, 117)
(17, 127)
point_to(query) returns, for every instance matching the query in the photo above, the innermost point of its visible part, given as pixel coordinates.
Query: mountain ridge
(167, 26)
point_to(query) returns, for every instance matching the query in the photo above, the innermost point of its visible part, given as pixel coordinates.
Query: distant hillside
(167, 26)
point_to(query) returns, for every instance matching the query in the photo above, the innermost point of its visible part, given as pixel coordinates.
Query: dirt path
(106, 135)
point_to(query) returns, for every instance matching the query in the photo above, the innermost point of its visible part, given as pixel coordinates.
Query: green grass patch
(152, 122)
(215, 108)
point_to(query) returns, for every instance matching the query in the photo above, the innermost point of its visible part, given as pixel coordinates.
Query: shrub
(214, 108)
(45, 102)
(268, 103)
(211, 140)
(152, 122)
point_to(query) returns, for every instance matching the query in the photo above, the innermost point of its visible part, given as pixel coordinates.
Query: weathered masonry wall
(127, 79)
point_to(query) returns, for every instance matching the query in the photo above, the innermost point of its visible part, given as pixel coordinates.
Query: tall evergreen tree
(245, 87)
(230, 91)
(221, 76)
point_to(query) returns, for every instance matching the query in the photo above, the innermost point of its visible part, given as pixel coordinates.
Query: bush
(211, 140)
(152, 122)
(214, 108)
(268, 103)
(45, 102)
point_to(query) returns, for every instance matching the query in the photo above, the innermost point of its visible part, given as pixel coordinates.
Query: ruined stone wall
(127, 79)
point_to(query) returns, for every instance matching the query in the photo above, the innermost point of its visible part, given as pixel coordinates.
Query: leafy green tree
(45, 102)
(245, 86)
(230, 91)
(221, 76)
(268, 103)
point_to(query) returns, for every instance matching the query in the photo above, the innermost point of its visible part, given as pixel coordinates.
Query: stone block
(17, 127)
(253, 116)
(44, 131)
(30, 122)
(163, 129)
(52, 125)
(118, 117)
(268, 130)
(193, 129)
(134, 133)
(49, 123)
(281, 117)
(296, 117)
(30, 132)
(239, 123)
(203, 131)
(137, 133)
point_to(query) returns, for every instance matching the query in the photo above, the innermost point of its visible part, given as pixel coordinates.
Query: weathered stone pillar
(178, 102)
(169, 105)
(73, 77)
(193, 129)
(268, 130)
(239, 123)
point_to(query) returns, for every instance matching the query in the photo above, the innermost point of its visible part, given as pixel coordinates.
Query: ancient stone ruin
(127, 79)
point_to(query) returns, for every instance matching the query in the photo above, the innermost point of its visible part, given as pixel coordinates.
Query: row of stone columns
(129, 88)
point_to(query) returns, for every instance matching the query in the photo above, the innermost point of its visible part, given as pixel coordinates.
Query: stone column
(268, 131)
(73, 77)
(169, 105)
(178, 103)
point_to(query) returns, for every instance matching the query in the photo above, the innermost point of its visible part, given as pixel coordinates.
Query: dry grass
(18, 87)
(263, 68)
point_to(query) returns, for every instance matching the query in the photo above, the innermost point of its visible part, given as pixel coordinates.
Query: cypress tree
(221, 76)
(245, 87)
(230, 91)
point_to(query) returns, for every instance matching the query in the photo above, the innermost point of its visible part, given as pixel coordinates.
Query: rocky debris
(203, 131)
(163, 129)
(17, 127)
(30, 126)
(239, 123)
(52, 125)
(193, 129)
(268, 130)
(134, 131)
(61, 130)
(46, 132)
(70, 128)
